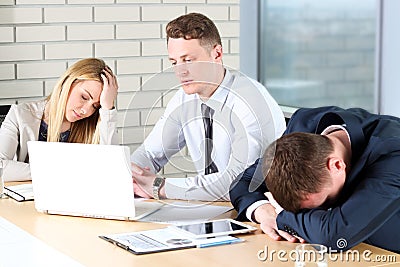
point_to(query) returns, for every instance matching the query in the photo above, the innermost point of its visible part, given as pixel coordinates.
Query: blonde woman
(79, 110)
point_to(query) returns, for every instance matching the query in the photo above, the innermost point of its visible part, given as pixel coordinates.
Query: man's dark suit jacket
(368, 208)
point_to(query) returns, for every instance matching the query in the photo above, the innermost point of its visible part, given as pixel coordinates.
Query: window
(316, 53)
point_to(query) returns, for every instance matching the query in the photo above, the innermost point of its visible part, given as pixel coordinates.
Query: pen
(223, 242)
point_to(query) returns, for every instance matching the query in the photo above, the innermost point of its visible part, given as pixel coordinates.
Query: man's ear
(216, 53)
(336, 165)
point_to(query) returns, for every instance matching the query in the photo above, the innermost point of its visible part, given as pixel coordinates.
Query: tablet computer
(214, 228)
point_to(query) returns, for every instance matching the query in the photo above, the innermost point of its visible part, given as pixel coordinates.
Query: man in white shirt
(225, 119)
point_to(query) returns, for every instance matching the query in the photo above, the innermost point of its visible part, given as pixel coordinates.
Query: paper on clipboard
(161, 240)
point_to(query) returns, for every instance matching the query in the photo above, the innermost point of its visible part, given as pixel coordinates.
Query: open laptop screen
(82, 179)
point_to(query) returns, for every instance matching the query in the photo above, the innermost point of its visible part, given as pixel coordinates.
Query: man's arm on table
(249, 189)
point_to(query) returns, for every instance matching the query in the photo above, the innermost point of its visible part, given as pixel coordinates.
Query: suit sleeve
(247, 188)
(375, 201)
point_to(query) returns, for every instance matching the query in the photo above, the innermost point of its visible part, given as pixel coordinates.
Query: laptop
(85, 180)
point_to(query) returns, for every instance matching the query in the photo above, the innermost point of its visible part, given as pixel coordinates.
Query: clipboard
(161, 240)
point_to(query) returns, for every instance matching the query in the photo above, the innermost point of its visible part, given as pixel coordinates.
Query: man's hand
(143, 180)
(266, 216)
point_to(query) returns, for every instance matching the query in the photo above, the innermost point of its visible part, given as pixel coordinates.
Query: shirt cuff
(250, 210)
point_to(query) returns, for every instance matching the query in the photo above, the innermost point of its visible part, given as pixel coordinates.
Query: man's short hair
(194, 26)
(296, 165)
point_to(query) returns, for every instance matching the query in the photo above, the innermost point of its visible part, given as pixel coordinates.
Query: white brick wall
(129, 83)
(6, 34)
(21, 52)
(90, 32)
(154, 48)
(39, 39)
(161, 12)
(38, 2)
(128, 118)
(17, 89)
(139, 65)
(117, 49)
(68, 50)
(6, 2)
(68, 14)
(6, 71)
(118, 13)
(40, 33)
(40, 70)
(20, 15)
(138, 100)
(217, 12)
(138, 31)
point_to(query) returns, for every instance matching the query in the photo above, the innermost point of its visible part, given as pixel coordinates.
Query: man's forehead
(179, 47)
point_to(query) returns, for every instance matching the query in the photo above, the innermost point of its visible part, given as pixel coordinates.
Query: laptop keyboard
(139, 241)
(139, 210)
(144, 208)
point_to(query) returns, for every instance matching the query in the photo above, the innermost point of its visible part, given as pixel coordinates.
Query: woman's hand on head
(110, 89)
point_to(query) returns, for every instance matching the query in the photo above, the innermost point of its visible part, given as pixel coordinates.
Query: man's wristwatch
(157, 184)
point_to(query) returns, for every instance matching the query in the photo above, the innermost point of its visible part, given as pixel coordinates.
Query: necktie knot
(206, 111)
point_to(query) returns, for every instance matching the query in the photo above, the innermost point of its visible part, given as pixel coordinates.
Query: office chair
(3, 112)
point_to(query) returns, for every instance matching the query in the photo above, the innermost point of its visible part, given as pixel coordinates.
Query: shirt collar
(334, 128)
(219, 97)
(353, 126)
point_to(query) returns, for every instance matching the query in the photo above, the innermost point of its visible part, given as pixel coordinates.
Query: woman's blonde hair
(82, 131)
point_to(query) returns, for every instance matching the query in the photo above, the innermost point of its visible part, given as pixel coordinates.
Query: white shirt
(246, 120)
(250, 210)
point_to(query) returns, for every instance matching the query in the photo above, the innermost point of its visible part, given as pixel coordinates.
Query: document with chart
(190, 235)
